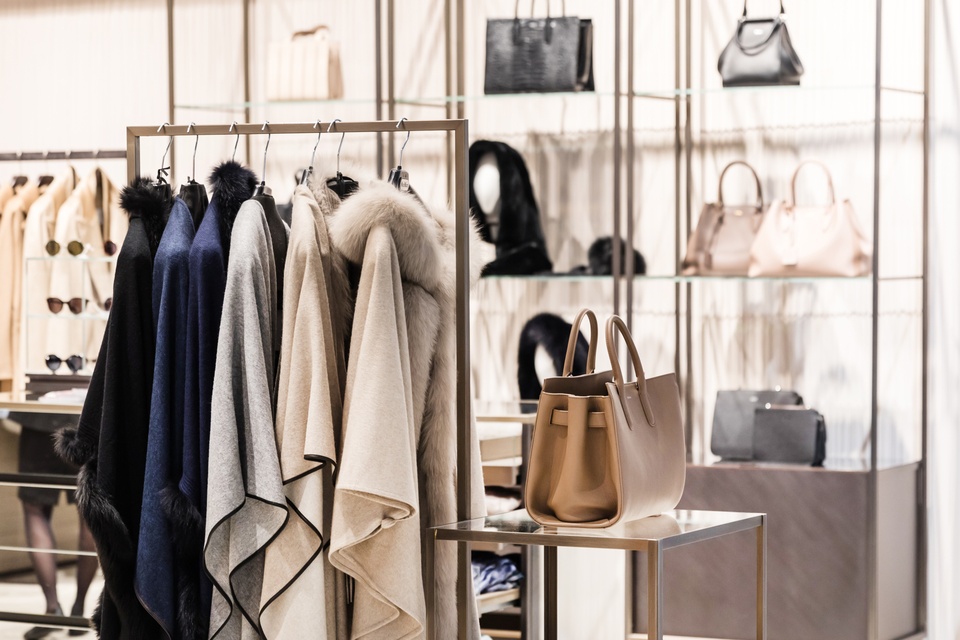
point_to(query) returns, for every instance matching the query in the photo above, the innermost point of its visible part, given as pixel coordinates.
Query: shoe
(77, 614)
(35, 633)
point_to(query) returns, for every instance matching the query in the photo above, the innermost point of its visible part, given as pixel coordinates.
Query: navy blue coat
(156, 581)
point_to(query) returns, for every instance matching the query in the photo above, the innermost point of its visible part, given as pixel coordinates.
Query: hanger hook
(196, 143)
(235, 142)
(340, 146)
(265, 127)
(405, 141)
(163, 160)
(313, 156)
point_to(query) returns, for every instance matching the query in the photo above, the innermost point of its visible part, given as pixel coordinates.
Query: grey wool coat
(246, 507)
(397, 472)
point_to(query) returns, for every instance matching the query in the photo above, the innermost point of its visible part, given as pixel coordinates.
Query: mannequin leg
(86, 570)
(40, 536)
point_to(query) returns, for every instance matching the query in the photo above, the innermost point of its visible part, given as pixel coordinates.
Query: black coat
(110, 441)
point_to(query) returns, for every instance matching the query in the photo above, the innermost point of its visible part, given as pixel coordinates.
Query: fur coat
(109, 443)
(397, 472)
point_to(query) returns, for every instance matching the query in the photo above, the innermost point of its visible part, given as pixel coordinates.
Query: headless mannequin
(486, 187)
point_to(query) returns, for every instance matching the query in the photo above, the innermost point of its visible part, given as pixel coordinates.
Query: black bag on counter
(784, 433)
(733, 419)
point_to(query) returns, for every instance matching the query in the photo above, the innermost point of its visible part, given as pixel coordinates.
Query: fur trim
(72, 448)
(187, 528)
(233, 184)
(525, 260)
(141, 198)
(552, 333)
(600, 256)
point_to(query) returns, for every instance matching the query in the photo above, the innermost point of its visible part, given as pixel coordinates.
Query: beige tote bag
(306, 67)
(605, 450)
(816, 240)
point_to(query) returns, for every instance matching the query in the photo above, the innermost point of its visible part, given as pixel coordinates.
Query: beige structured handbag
(721, 243)
(605, 450)
(306, 67)
(821, 240)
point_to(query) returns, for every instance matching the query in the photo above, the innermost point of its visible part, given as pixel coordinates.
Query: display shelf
(483, 97)
(773, 90)
(266, 104)
(496, 600)
(103, 317)
(69, 258)
(564, 277)
(17, 401)
(830, 465)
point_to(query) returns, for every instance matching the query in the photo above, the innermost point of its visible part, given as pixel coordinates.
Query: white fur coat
(398, 464)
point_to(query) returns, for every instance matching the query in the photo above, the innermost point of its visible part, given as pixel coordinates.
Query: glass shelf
(17, 401)
(843, 465)
(566, 277)
(240, 106)
(73, 316)
(69, 258)
(442, 100)
(779, 89)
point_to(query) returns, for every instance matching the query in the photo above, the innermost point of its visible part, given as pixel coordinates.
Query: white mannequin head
(486, 188)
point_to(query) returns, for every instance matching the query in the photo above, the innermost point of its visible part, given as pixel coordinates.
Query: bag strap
(572, 343)
(310, 32)
(793, 181)
(533, 4)
(755, 177)
(782, 12)
(616, 322)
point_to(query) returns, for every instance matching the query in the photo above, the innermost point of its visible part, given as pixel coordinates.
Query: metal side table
(650, 535)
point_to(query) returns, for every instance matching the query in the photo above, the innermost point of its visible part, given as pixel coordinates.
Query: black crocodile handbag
(760, 53)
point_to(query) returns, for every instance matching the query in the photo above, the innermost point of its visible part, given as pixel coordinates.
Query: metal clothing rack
(29, 156)
(458, 130)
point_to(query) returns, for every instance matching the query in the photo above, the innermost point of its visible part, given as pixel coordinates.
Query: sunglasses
(74, 363)
(75, 305)
(75, 247)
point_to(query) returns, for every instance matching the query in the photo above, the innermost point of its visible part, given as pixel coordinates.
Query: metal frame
(458, 129)
(31, 156)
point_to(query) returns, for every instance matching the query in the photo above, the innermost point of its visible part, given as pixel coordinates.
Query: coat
(398, 462)
(156, 580)
(246, 507)
(11, 273)
(91, 215)
(316, 314)
(186, 511)
(39, 229)
(110, 440)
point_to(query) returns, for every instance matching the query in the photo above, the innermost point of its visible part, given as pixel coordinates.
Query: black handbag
(789, 434)
(733, 419)
(760, 53)
(539, 55)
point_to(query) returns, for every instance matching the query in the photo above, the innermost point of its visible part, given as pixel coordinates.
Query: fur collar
(233, 184)
(425, 238)
(141, 199)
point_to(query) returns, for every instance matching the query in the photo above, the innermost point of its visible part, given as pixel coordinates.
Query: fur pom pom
(232, 185)
(69, 446)
(141, 198)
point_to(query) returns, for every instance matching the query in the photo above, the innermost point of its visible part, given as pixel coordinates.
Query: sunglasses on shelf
(74, 363)
(75, 305)
(75, 247)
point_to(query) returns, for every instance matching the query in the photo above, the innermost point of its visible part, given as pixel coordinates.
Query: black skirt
(36, 455)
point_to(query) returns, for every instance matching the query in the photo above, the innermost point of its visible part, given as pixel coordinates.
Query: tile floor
(20, 593)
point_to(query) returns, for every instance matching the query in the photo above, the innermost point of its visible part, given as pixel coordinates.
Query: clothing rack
(458, 129)
(29, 156)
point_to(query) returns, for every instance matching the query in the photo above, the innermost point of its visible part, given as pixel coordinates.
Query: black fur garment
(152, 204)
(233, 184)
(552, 333)
(600, 257)
(520, 243)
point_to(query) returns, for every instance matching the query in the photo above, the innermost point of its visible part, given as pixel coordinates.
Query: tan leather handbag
(605, 450)
(721, 243)
(819, 240)
(305, 67)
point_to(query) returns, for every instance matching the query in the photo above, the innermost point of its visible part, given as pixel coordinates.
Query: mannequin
(486, 188)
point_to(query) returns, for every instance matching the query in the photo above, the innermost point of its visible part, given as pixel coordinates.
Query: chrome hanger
(261, 188)
(309, 170)
(340, 146)
(398, 177)
(196, 143)
(236, 142)
(164, 171)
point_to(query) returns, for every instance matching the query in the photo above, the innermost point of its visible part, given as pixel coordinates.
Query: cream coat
(11, 274)
(316, 312)
(79, 219)
(39, 229)
(398, 464)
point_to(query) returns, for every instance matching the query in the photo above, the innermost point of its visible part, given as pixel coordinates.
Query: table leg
(429, 582)
(762, 579)
(654, 591)
(550, 593)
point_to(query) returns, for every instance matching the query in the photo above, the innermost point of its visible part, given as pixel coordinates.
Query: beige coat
(398, 464)
(312, 376)
(79, 219)
(11, 274)
(40, 228)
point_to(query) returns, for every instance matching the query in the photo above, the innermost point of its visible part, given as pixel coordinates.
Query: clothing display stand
(458, 130)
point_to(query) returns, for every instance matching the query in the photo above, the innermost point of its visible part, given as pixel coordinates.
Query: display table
(650, 535)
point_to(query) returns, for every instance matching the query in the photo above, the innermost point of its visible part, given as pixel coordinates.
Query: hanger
(45, 178)
(344, 186)
(193, 193)
(398, 177)
(236, 142)
(262, 188)
(161, 183)
(19, 180)
(308, 172)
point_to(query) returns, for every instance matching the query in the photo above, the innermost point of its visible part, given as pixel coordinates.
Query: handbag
(539, 55)
(306, 67)
(732, 436)
(760, 53)
(792, 434)
(820, 240)
(605, 450)
(721, 243)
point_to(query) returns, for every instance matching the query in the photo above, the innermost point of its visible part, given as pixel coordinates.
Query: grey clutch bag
(789, 434)
(539, 55)
(760, 53)
(733, 419)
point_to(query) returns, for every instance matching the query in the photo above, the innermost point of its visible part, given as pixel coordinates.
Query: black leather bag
(789, 434)
(760, 53)
(733, 419)
(539, 55)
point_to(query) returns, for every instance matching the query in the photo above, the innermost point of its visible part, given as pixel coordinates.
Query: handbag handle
(782, 12)
(616, 322)
(793, 181)
(533, 5)
(755, 177)
(309, 32)
(572, 343)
